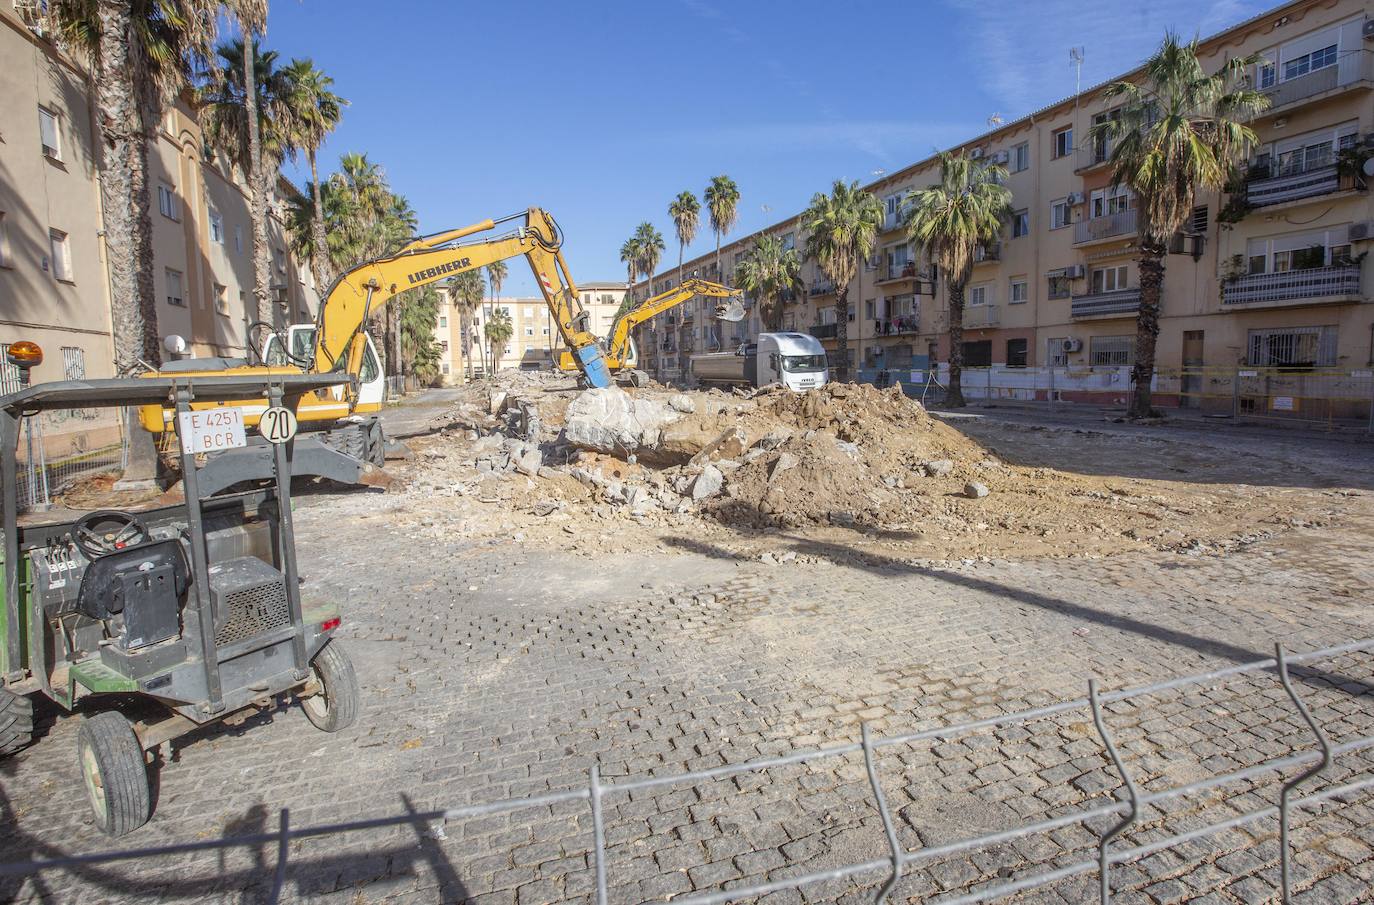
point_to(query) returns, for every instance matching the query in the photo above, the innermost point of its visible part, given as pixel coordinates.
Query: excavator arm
(618, 343)
(357, 293)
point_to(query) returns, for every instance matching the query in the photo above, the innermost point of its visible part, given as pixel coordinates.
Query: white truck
(795, 360)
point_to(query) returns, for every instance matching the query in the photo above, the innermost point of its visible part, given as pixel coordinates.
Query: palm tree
(315, 111)
(841, 230)
(141, 55)
(766, 272)
(629, 256)
(649, 241)
(498, 329)
(949, 221)
(722, 203)
(245, 113)
(467, 293)
(686, 213)
(1180, 130)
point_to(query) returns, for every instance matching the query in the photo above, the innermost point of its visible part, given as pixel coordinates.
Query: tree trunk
(954, 395)
(1147, 327)
(680, 249)
(720, 274)
(257, 184)
(323, 271)
(464, 349)
(842, 335)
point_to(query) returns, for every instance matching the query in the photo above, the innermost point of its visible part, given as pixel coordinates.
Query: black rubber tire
(336, 705)
(114, 772)
(376, 444)
(351, 440)
(16, 722)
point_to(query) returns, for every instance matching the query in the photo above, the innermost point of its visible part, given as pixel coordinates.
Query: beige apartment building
(53, 279)
(1273, 274)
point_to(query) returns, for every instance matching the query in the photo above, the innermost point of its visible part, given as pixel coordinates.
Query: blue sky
(602, 112)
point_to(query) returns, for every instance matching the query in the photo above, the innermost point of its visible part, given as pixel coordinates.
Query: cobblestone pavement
(498, 670)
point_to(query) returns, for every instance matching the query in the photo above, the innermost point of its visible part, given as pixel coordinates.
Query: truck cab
(795, 360)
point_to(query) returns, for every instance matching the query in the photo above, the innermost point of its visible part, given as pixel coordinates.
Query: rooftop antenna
(1076, 61)
(995, 120)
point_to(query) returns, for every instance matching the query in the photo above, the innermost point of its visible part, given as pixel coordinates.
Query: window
(1310, 62)
(1020, 223)
(529, 331)
(1102, 144)
(1063, 142)
(1019, 293)
(61, 255)
(444, 367)
(1197, 223)
(174, 288)
(1016, 353)
(1293, 347)
(1059, 287)
(1111, 200)
(1061, 215)
(1111, 351)
(238, 239)
(50, 132)
(1020, 157)
(789, 241)
(1054, 352)
(6, 256)
(221, 298)
(167, 201)
(443, 321)
(216, 228)
(977, 295)
(529, 313)
(73, 363)
(1304, 153)
(978, 354)
(1109, 279)
(1265, 73)
(1299, 251)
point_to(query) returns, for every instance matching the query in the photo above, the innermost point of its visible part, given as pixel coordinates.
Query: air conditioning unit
(1074, 272)
(1001, 157)
(976, 154)
(1368, 29)
(1362, 232)
(1075, 198)
(1072, 344)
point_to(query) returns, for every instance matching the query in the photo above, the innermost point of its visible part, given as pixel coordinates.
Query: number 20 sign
(277, 425)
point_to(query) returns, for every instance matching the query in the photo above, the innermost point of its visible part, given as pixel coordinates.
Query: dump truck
(795, 360)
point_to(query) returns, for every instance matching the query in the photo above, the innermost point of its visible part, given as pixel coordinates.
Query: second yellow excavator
(620, 353)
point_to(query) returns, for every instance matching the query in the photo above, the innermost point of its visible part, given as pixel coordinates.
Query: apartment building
(1272, 274)
(601, 301)
(529, 345)
(53, 279)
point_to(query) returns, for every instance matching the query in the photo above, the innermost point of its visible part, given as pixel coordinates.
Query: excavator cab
(300, 340)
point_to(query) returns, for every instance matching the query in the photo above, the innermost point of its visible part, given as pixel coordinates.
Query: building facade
(1273, 273)
(54, 287)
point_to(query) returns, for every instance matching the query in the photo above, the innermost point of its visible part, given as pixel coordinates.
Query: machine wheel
(336, 705)
(376, 444)
(349, 440)
(16, 722)
(115, 773)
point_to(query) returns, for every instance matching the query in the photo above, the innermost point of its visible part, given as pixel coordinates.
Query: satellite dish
(1368, 167)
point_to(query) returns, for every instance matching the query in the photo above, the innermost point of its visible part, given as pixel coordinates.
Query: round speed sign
(277, 425)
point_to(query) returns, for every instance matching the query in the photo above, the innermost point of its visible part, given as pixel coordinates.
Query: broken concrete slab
(609, 420)
(708, 483)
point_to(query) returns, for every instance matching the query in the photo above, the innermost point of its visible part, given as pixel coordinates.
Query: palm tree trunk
(1147, 327)
(323, 272)
(954, 396)
(842, 335)
(257, 183)
(720, 274)
(463, 348)
(680, 249)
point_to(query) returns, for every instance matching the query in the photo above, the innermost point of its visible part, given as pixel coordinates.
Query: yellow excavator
(341, 437)
(620, 353)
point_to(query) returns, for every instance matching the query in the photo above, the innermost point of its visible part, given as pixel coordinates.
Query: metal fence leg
(598, 836)
(1131, 816)
(1291, 785)
(891, 831)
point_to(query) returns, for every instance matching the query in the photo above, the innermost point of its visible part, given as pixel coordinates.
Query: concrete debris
(610, 420)
(939, 468)
(708, 483)
(729, 445)
(975, 490)
(683, 403)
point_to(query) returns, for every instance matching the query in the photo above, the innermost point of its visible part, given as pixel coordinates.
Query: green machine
(153, 623)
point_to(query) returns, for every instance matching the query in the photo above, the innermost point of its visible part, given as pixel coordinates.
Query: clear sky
(602, 112)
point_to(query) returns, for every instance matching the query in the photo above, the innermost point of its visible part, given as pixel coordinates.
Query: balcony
(822, 287)
(823, 331)
(1097, 229)
(688, 315)
(900, 270)
(983, 254)
(788, 296)
(1119, 303)
(896, 326)
(977, 317)
(1313, 285)
(1352, 68)
(1095, 154)
(1274, 185)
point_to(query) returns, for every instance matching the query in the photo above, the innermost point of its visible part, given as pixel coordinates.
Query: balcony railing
(903, 270)
(822, 287)
(1352, 67)
(1310, 283)
(896, 326)
(1106, 304)
(1121, 223)
(991, 252)
(787, 296)
(1094, 154)
(893, 220)
(1275, 185)
(978, 316)
(823, 331)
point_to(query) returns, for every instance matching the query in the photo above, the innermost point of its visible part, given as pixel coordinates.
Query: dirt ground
(820, 465)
